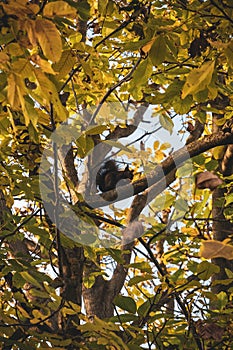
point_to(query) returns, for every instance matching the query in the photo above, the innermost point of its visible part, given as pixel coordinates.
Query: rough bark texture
(222, 228)
(99, 298)
(166, 167)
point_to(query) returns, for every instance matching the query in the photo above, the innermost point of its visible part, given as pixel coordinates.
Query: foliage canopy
(125, 79)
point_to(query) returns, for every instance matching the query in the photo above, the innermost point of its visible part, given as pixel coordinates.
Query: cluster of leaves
(60, 58)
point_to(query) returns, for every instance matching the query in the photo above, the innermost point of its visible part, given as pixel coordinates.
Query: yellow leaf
(49, 39)
(156, 145)
(16, 92)
(59, 8)
(229, 53)
(29, 26)
(198, 79)
(44, 65)
(23, 107)
(48, 91)
(20, 8)
(14, 49)
(12, 93)
(23, 67)
(165, 145)
(65, 64)
(218, 152)
(146, 48)
(159, 155)
(3, 57)
(9, 201)
(215, 249)
(23, 311)
(191, 231)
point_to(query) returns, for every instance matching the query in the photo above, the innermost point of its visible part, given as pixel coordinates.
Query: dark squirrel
(109, 175)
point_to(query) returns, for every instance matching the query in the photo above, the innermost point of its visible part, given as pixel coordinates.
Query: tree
(83, 82)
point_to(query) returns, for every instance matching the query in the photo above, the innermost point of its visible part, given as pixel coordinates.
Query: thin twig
(57, 200)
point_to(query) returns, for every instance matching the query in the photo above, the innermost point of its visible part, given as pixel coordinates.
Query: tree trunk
(222, 228)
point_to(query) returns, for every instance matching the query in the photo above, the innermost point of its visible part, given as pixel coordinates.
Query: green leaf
(142, 73)
(144, 308)
(134, 347)
(163, 201)
(229, 199)
(186, 169)
(137, 279)
(124, 318)
(126, 303)
(142, 266)
(181, 205)
(198, 79)
(166, 122)
(89, 281)
(182, 106)
(158, 51)
(29, 278)
(102, 7)
(206, 269)
(83, 9)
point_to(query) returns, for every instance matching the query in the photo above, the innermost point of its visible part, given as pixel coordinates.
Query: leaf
(89, 281)
(117, 145)
(142, 266)
(49, 92)
(198, 79)
(137, 279)
(65, 64)
(144, 308)
(165, 146)
(125, 303)
(163, 201)
(84, 10)
(215, 249)
(182, 106)
(156, 145)
(206, 269)
(229, 53)
(12, 93)
(134, 347)
(3, 57)
(218, 152)
(59, 8)
(29, 26)
(142, 73)
(181, 205)
(147, 47)
(158, 51)
(185, 170)
(43, 64)
(49, 39)
(102, 6)
(166, 122)
(29, 278)
(95, 130)
(229, 199)
(124, 318)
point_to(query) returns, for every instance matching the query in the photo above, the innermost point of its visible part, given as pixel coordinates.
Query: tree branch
(161, 171)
